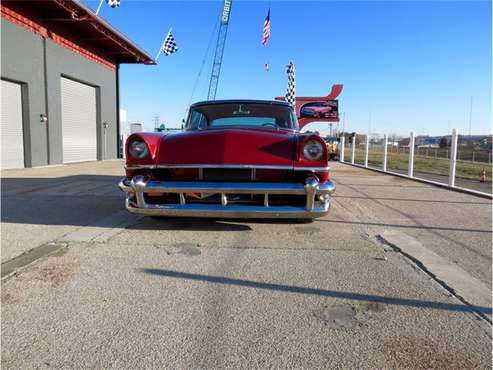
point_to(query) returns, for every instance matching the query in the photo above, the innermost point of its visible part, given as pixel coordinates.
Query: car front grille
(227, 174)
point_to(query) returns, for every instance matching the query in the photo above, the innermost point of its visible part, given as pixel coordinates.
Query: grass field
(439, 166)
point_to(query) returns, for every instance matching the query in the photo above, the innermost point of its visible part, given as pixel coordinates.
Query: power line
(202, 66)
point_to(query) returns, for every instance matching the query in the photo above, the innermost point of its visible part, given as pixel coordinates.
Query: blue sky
(405, 65)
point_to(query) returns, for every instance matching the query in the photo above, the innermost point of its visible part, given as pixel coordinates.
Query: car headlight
(138, 149)
(313, 150)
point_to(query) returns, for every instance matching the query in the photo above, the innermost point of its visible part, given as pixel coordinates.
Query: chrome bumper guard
(317, 198)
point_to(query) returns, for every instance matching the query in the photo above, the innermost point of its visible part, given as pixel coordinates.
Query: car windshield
(241, 115)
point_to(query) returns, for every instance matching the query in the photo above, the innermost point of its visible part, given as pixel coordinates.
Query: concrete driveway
(40, 205)
(371, 285)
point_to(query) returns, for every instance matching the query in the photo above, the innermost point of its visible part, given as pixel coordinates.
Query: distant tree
(375, 138)
(394, 138)
(444, 142)
(360, 139)
(161, 128)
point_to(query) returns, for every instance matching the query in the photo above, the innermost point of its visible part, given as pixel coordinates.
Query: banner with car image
(323, 110)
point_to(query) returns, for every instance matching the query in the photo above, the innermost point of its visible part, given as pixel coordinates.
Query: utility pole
(343, 122)
(470, 117)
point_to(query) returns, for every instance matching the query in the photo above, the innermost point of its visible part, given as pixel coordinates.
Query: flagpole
(99, 7)
(161, 48)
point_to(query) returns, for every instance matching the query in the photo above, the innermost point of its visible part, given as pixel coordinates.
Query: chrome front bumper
(317, 198)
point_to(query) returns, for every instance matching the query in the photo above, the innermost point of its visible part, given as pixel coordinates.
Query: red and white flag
(266, 34)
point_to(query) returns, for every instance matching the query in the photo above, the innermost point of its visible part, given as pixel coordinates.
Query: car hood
(232, 146)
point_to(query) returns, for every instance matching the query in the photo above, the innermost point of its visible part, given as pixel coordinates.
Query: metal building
(59, 83)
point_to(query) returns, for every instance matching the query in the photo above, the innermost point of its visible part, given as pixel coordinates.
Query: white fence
(437, 171)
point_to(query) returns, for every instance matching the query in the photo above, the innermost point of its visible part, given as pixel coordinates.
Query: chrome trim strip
(140, 166)
(313, 189)
(312, 169)
(242, 166)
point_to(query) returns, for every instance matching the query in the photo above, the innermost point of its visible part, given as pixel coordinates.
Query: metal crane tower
(218, 54)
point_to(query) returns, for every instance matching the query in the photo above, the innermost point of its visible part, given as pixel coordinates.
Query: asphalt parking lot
(374, 284)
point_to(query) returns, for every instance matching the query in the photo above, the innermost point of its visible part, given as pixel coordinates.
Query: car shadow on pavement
(205, 224)
(319, 292)
(192, 224)
(77, 200)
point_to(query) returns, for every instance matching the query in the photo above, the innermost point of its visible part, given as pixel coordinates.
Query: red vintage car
(235, 158)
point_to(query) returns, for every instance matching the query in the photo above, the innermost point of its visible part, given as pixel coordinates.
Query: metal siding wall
(11, 126)
(22, 61)
(64, 62)
(79, 130)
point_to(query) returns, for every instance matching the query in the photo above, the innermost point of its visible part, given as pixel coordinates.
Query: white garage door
(11, 126)
(78, 121)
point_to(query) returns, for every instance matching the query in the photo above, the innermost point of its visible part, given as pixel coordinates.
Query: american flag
(266, 34)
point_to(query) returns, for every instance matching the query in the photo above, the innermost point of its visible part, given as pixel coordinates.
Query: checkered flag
(113, 3)
(169, 45)
(291, 91)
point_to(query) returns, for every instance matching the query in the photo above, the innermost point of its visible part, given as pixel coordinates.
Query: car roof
(240, 101)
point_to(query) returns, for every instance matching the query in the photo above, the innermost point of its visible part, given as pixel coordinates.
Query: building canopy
(77, 26)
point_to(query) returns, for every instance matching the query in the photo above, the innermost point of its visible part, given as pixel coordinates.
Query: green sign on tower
(226, 11)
